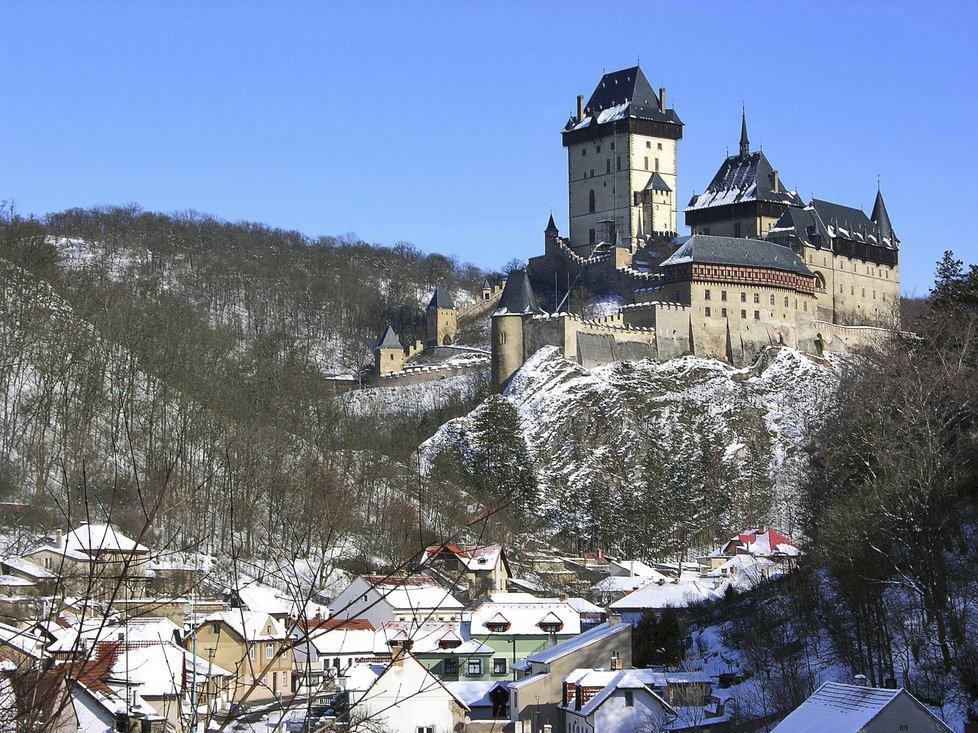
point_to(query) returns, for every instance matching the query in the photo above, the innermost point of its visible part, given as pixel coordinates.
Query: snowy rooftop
(744, 178)
(473, 557)
(431, 637)
(581, 641)
(474, 694)
(611, 680)
(262, 598)
(413, 591)
(842, 708)
(89, 540)
(667, 595)
(250, 625)
(521, 618)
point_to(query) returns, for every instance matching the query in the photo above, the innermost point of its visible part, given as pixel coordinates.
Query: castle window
(583, 152)
(592, 173)
(706, 311)
(657, 164)
(757, 315)
(706, 295)
(805, 305)
(648, 144)
(612, 144)
(618, 163)
(743, 314)
(646, 162)
(590, 201)
(723, 295)
(660, 146)
(597, 149)
(723, 312)
(786, 301)
(852, 290)
(772, 298)
(757, 297)
(743, 297)
(590, 236)
(392, 357)
(864, 292)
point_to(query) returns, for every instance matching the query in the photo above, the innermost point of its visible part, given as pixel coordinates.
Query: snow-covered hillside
(590, 431)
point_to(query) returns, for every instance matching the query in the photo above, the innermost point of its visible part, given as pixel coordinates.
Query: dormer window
(498, 624)
(551, 623)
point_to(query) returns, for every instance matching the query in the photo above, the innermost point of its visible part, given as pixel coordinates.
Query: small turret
(388, 353)
(881, 218)
(744, 140)
(551, 226)
(441, 320)
(516, 305)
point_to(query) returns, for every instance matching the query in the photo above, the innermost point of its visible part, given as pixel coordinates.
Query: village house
(517, 625)
(323, 648)
(383, 598)
(253, 646)
(471, 570)
(858, 709)
(401, 697)
(446, 648)
(95, 561)
(765, 543)
(613, 701)
(488, 703)
(535, 697)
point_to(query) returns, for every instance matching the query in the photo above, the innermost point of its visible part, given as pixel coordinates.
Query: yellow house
(253, 646)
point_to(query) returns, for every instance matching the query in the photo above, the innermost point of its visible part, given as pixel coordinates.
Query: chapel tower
(621, 163)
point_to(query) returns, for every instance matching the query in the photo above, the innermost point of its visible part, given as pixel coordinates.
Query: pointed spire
(389, 340)
(744, 141)
(517, 298)
(880, 217)
(551, 225)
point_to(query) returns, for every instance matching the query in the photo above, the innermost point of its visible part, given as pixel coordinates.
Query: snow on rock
(586, 428)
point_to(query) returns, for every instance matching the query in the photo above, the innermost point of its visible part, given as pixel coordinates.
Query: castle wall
(855, 290)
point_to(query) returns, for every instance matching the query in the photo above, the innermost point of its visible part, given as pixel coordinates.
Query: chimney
(776, 182)
(59, 539)
(580, 107)
(614, 619)
(662, 99)
(860, 680)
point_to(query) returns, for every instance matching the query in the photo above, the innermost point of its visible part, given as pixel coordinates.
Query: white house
(383, 598)
(402, 697)
(613, 701)
(857, 709)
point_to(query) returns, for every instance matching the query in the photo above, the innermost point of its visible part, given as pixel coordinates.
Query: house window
(706, 295)
(629, 699)
(743, 314)
(215, 628)
(426, 729)
(451, 666)
(269, 651)
(499, 665)
(706, 311)
(251, 652)
(757, 315)
(474, 668)
(47, 563)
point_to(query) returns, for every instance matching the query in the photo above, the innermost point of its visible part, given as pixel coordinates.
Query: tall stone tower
(388, 353)
(516, 305)
(621, 163)
(441, 320)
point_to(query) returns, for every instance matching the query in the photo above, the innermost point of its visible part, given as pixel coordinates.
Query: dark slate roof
(441, 299)
(881, 218)
(744, 178)
(551, 225)
(830, 220)
(620, 94)
(517, 295)
(657, 183)
(710, 250)
(389, 340)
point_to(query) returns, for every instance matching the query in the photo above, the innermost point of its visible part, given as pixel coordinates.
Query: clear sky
(438, 123)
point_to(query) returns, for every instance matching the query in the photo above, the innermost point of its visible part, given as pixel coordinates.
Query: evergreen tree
(948, 279)
(500, 468)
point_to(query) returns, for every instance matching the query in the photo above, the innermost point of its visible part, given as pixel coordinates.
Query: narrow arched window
(590, 201)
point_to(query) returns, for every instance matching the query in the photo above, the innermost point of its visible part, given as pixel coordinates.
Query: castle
(759, 268)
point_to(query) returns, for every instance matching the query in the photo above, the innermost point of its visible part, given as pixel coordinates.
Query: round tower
(509, 324)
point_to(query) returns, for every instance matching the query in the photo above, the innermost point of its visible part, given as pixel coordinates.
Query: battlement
(639, 274)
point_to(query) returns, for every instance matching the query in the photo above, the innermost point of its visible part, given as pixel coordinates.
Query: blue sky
(438, 123)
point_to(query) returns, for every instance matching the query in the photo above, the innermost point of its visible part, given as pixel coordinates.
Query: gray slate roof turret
(441, 299)
(517, 296)
(389, 340)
